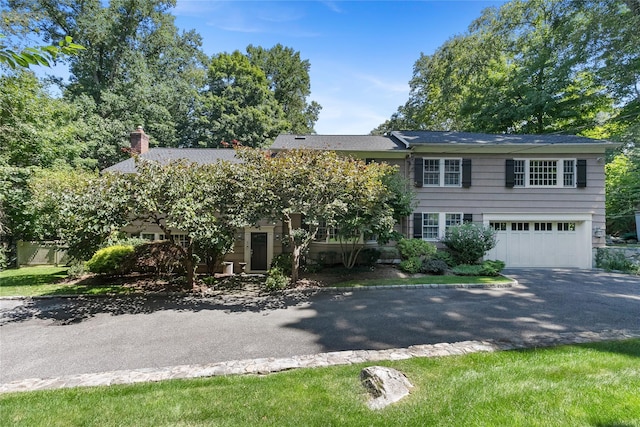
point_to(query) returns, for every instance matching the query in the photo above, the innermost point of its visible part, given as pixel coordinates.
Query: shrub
(76, 270)
(283, 262)
(469, 242)
(276, 280)
(412, 265)
(491, 267)
(368, 256)
(3, 258)
(328, 258)
(434, 266)
(445, 256)
(112, 260)
(389, 253)
(614, 260)
(467, 270)
(411, 248)
(160, 257)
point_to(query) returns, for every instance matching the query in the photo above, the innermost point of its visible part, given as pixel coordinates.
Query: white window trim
(442, 224)
(559, 172)
(441, 172)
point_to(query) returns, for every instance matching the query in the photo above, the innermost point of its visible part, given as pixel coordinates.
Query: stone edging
(271, 365)
(510, 284)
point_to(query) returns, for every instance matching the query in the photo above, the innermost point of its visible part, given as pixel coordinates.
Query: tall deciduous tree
(238, 105)
(288, 77)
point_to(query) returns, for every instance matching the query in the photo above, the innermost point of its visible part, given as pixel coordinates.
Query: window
(433, 225)
(326, 234)
(430, 228)
(180, 239)
(452, 219)
(519, 226)
(543, 173)
(442, 172)
(566, 226)
(569, 171)
(498, 226)
(543, 226)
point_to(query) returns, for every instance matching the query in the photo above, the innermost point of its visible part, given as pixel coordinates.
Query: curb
(271, 365)
(504, 285)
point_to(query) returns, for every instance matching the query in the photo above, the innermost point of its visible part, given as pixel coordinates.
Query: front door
(259, 251)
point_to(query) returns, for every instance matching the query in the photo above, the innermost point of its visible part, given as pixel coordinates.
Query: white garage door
(542, 243)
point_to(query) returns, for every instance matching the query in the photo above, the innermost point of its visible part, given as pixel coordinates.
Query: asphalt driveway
(56, 337)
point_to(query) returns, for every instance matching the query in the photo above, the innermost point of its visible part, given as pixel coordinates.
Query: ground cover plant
(590, 384)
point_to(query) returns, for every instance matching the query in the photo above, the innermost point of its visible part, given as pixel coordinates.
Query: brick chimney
(139, 141)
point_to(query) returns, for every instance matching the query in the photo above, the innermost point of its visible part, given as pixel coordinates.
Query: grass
(47, 280)
(585, 385)
(435, 280)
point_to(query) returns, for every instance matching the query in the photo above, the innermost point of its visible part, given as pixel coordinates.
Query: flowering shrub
(469, 242)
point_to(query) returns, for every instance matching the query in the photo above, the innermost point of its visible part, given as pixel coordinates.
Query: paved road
(46, 338)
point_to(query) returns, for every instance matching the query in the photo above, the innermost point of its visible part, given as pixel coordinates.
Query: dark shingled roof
(338, 142)
(165, 155)
(432, 137)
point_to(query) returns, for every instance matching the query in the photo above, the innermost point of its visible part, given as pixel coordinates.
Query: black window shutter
(419, 171)
(581, 173)
(467, 218)
(466, 173)
(509, 173)
(417, 225)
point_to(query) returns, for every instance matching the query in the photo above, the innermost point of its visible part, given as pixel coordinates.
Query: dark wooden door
(258, 251)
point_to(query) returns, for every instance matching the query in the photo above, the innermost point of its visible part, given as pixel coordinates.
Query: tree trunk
(188, 264)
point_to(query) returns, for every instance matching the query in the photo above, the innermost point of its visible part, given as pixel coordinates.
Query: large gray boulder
(385, 385)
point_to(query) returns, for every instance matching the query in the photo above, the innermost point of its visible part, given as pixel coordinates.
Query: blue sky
(361, 52)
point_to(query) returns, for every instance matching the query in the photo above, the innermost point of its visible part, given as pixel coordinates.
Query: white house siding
(488, 198)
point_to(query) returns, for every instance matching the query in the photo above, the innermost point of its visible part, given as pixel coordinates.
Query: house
(543, 194)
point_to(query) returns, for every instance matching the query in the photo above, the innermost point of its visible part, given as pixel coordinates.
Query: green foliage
(3, 257)
(288, 78)
(412, 248)
(469, 242)
(368, 257)
(434, 266)
(467, 270)
(39, 55)
(492, 267)
(487, 268)
(411, 265)
(622, 187)
(444, 256)
(276, 280)
(283, 263)
(112, 260)
(76, 270)
(615, 261)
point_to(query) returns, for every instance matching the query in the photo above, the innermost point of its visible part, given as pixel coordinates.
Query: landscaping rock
(385, 385)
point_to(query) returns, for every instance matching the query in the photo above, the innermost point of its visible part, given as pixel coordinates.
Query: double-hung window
(442, 173)
(542, 173)
(433, 225)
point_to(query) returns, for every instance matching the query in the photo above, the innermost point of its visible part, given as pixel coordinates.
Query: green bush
(283, 262)
(614, 260)
(411, 248)
(389, 253)
(434, 266)
(276, 280)
(368, 257)
(112, 260)
(3, 258)
(445, 256)
(469, 242)
(491, 267)
(328, 258)
(467, 270)
(412, 265)
(76, 270)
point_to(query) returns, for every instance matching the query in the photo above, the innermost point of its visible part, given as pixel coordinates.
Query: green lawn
(47, 280)
(435, 280)
(586, 385)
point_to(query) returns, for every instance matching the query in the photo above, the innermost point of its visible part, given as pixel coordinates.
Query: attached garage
(542, 240)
